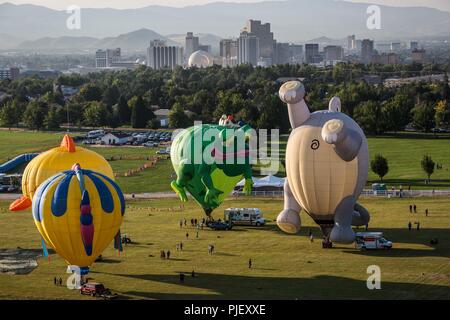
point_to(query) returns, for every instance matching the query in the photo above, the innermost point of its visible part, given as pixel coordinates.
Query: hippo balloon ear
(335, 104)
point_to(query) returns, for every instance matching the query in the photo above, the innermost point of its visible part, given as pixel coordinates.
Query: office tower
(296, 53)
(265, 36)
(418, 56)
(204, 47)
(414, 45)
(9, 73)
(386, 58)
(105, 58)
(396, 46)
(383, 47)
(160, 55)
(192, 44)
(366, 51)
(351, 42)
(358, 45)
(334, 53)
(248, 49)
(312, 53)
(228, 52)
(282, 53)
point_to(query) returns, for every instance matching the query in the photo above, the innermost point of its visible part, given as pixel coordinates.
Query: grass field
(403, 151)
(284, 266)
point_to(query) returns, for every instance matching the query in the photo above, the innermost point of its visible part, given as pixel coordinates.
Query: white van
(245, 216)
(371, 240)
(94, 134)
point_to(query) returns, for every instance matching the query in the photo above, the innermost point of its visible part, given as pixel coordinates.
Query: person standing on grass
(54, 281)
(415, 208)
(181, 224)
(426, 212)
(60, 281)
(182, 277)
(168, 254)
(409, 226)
(187, 235)
(196, 235)
(410, 208)
(185, 222)
(418, 225)
(250, 263)
(181, 246)
(311, 238)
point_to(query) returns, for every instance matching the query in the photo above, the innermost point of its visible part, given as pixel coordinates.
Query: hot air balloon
(56, 160)
(78, 212)
(326, 168)
(209, 179)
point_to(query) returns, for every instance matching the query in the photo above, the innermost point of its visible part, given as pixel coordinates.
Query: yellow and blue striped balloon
(78, 213)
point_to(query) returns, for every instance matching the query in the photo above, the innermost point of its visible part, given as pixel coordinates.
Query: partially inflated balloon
(56, 160)
(195, 158)
(78, 213)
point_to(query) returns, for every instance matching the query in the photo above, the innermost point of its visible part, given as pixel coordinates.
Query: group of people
(165, 255)
(57, 281)
(416, 223)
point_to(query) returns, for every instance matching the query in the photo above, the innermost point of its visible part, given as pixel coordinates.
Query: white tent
(269, 181)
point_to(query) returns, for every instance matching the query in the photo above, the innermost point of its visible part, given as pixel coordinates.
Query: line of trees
(129, 97)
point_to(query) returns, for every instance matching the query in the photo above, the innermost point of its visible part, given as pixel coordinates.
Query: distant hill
(292, 20)
(134, 41)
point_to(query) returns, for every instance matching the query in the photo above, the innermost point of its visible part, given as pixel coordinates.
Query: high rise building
(265, 36)
(248, 49)
(160, 55)
(296, 53)
(387, 58)
(366, 51)
(312, 53)
(204, 47)
(383, 47)
(414, 45)
(282, 53)
(418, 56)
(192, 44)
(228, 52)
(106, 58)
(351, 42)
(9, 73)
(334, 53)
(396, 46)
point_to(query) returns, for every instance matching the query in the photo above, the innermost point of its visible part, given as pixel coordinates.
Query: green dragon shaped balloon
(209, 160)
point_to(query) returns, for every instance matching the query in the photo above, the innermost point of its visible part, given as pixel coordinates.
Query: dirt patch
(19, 261)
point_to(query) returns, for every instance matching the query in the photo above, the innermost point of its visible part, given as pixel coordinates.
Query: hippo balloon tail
(68, 144)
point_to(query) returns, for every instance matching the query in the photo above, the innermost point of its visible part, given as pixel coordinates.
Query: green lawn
(285, 266)
(403, 151)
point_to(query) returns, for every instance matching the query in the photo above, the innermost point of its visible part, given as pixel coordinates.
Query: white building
(115, 138)
(106, 58)
(248, 49)
(191, 45)
(160, 55)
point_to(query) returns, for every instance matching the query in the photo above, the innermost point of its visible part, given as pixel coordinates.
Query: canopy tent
(269, 181)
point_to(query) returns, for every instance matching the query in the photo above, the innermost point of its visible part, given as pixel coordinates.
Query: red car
(93, 289)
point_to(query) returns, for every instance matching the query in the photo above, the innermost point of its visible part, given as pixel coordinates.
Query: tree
(423, 116)
(90, 92)
(138, 114)
(442, 115)
(10, 115)
(177, 117)
(95, 114)
(34, 115)
(379, 166)
(111, 95)
(154, 124)
(370, 117)
(52, 119)
(428, 165)
(123, 110)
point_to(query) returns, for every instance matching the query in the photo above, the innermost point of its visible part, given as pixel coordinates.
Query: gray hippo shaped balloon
(326, 167)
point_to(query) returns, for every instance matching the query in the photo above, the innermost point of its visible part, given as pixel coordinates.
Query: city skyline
(132, 4)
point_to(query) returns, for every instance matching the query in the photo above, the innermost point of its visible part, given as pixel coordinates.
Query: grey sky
(62, 4)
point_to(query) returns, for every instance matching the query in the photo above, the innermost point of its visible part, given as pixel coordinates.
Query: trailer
(371, 241)
(245, 216)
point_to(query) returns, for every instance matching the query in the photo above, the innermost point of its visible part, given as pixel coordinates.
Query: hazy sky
(63, 4)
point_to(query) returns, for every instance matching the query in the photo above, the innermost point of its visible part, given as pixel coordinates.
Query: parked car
(92, 289)
(371, 240)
